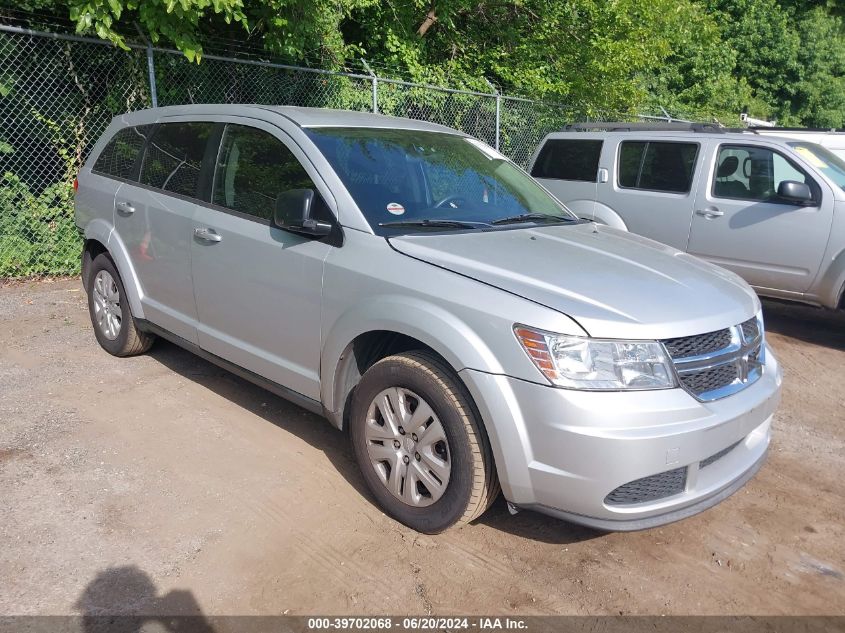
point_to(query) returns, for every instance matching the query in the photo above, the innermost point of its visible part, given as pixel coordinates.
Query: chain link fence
(58, 93)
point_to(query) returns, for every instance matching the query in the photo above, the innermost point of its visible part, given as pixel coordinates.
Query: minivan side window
(568, 159)
(657, 165)
(118, 157)
(748, 172)
(174, 156)
(253, 168)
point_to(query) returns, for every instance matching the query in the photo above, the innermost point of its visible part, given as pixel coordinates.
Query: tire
(111, 316)
(461, 475)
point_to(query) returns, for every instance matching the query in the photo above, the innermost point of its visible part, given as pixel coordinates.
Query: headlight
(576, 362)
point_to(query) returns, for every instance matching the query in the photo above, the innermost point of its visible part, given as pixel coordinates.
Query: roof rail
(795, 129)
(650, 126)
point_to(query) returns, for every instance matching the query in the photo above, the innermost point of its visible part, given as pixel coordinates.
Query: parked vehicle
(833, 140)
(770, 209)
(415, 287)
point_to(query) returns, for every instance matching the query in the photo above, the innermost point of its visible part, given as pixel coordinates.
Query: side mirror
(293, 213)
(797, 192)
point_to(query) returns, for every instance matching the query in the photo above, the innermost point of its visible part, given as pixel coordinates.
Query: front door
(740, 222)
(258, 288)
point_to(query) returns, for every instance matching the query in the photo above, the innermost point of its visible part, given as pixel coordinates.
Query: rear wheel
(420, 445)
(111, 316)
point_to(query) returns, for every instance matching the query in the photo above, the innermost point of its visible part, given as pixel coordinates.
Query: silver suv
(770, 209)
(413, 286)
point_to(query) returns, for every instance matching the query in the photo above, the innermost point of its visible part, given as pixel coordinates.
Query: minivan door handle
(207, 235)
(125, 208)
(710, 213)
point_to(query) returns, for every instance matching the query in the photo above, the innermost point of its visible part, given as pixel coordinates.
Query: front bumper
(562, 452)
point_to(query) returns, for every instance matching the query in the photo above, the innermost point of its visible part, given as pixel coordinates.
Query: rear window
(118, 157)
(568, 159)
(657, 166)
(174, 157)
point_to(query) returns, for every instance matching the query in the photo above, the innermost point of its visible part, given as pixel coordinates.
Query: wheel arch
(100, 234)
(605, 215)
(389, 326)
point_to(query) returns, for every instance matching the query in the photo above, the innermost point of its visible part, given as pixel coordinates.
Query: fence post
(375, 84)
(151, 68)
(498, 119)
(498, 110)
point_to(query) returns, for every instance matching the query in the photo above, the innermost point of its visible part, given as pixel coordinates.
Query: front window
(750, 172)
(407, 180)
(822, 159)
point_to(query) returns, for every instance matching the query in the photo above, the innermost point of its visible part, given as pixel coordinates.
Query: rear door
(258, 288)
(568, 167)
(741, 224)
(154, 217)
(652, 187)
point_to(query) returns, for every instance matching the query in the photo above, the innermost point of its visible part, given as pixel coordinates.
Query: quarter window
(119, 155)
(657, 166)
(253, 168)
(173, 159)
(568, 159)
(746, 172)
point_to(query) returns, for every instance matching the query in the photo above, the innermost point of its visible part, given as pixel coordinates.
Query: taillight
(75, 185)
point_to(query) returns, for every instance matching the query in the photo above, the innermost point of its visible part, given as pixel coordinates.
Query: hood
(613, 283)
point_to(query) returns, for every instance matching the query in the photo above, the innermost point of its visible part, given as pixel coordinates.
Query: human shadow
(123, 599)
(818, 326)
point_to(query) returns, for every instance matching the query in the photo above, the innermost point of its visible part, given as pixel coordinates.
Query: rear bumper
(562, 452)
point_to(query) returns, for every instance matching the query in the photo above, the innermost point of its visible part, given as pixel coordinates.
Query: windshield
(407, 180)
(822, 159)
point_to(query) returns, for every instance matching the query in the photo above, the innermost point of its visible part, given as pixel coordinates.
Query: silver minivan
(422, 292)
(768, 208)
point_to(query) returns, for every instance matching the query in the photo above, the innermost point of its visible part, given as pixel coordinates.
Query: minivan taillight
(75, 185)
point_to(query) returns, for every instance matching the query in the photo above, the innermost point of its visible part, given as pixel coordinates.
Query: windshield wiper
(532, 217)
(451, 224)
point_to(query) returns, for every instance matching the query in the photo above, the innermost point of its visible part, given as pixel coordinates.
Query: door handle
(710, 213)
(124, 208)
(207, 235)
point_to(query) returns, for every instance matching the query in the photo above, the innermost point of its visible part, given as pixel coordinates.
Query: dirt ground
(164, 484)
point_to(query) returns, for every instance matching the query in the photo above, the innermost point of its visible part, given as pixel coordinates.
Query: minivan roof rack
(644, 126)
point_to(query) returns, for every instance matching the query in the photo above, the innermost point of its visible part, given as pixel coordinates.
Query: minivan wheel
(419, 443)
(111, 316)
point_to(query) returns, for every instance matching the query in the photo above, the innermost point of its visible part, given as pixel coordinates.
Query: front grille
(666, 484)
(717, 364)
(698, 345)
(750, 330)
(710, 379)
(717, 456)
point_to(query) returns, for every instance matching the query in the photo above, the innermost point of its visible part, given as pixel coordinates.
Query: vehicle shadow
(535, 526)
(124, 599)
(322, 436)
(274, 409)
(805, 323)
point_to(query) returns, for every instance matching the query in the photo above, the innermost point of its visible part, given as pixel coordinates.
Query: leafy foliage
(783, 59)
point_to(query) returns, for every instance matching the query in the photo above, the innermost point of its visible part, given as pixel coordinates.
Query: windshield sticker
(395, 208)
(488, 151)
(814, 160)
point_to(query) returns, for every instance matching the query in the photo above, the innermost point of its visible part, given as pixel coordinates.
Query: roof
(304, 117)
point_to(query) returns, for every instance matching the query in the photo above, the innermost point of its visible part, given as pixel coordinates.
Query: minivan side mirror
(293, 213)
(796, 192)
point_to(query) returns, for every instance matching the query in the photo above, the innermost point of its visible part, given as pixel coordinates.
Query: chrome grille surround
(718, 364)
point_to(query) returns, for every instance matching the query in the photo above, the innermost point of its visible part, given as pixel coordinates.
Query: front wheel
(419, 443)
